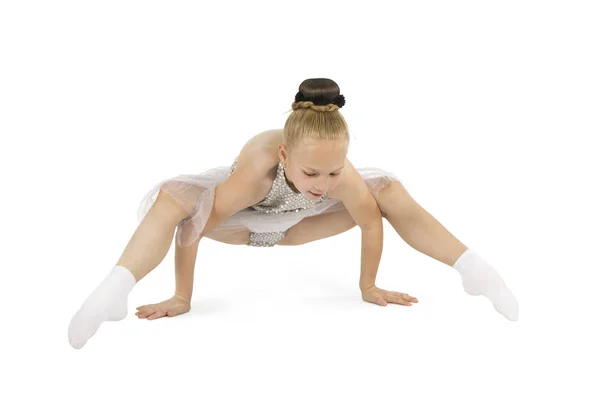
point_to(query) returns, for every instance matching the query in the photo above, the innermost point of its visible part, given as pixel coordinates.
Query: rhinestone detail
(265, 239)
(281, 199)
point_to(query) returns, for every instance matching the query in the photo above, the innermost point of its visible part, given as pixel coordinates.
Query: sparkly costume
(281, 199)
(268, 220)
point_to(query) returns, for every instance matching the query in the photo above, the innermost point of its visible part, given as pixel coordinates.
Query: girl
(287, 186)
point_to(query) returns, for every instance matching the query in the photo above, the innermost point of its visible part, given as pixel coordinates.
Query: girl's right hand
(175, 305)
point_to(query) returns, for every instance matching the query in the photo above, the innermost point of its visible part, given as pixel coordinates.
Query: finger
(147, 312)
(144, 307)
(396, 298)
(409, 297)
(156, 315)
(406, 297)
(144, 314)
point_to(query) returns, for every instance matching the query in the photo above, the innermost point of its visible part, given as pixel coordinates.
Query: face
(314, 167)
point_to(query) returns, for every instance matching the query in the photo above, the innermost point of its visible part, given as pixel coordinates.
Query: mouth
(313, 194)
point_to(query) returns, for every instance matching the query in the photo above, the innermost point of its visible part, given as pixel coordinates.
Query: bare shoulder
(254, 171)
(260, 152)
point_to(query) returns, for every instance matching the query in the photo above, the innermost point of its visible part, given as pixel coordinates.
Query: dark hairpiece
(321, 100)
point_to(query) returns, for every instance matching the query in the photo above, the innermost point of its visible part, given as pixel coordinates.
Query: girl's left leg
(427, 235)
(318, 227)
(416, 226)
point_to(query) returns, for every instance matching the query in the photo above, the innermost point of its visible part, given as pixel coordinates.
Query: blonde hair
(311, 121)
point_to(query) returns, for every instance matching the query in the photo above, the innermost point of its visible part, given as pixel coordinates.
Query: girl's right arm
(185, 263)
(243, 188)
(246, 186)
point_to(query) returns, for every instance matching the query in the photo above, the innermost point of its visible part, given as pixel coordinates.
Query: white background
(487, 111)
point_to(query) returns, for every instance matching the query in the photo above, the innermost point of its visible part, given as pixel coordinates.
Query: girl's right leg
(144, 251)
(152, 239)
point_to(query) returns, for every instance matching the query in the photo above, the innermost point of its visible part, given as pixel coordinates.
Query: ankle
(186, 297)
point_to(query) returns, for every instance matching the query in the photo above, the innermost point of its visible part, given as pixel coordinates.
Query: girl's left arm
(363, 208)
(372, 246)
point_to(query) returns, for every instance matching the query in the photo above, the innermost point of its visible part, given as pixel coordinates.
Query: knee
(392, 196)
(168, 206)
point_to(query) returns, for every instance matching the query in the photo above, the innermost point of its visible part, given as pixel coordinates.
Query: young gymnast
(287, 186)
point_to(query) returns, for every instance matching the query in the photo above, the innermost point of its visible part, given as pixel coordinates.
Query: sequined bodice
(281, 197)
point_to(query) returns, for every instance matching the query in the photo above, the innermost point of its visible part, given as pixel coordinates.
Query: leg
(416, 226)
(425, 234)
(152, 239)
(318, 227)
(145, 250)
(309, 229)
(234, 236)
(185, 262)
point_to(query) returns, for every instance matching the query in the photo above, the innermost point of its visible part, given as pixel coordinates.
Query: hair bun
(321, 100)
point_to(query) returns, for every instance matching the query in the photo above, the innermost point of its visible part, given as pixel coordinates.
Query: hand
(382, 297)
(175, 305)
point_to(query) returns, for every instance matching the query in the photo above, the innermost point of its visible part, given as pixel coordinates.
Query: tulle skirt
(196, 193)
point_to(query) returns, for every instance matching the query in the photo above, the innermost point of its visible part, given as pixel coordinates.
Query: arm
(363, 208)
(185, 263)
(240, 190)
(372, 247)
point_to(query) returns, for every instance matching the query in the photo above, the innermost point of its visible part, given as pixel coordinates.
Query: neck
(291, 184)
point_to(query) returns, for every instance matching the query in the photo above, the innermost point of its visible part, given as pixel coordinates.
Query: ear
(282, 152)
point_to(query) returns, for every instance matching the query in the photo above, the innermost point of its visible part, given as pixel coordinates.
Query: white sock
(480, 278)
(108, 302)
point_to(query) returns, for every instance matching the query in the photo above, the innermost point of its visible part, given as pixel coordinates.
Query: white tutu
(197, 192)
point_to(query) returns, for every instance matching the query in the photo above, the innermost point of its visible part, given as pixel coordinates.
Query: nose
(322, 185)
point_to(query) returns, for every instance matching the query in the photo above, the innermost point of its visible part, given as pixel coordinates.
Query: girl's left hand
(382, 297)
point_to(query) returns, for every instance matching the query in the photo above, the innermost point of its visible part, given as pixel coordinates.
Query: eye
(307, 174)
